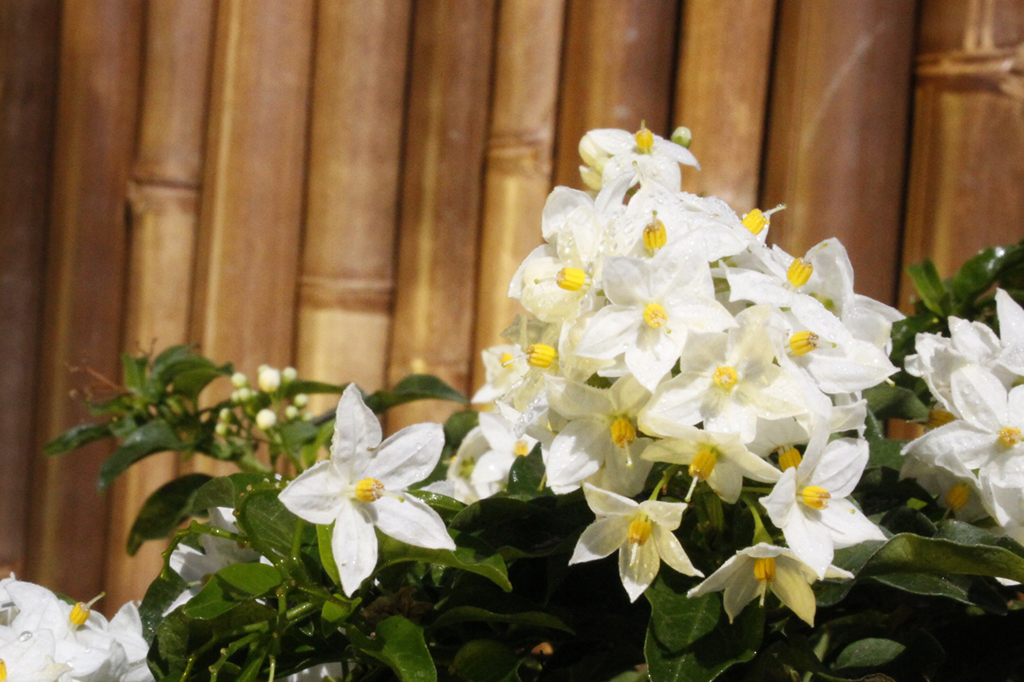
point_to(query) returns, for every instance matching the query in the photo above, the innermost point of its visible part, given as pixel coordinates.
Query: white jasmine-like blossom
(717, 458)
(809, 503)
(599, 439)
(480, 467)
(610, 155)
(654, 304)
(30, 658)
(504, 365)
(954, 485)
(751, 572)
(360, 487)
(641, 532)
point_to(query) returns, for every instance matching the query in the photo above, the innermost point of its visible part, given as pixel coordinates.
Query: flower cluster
(665, 330)
(45, 639)
(971, 458)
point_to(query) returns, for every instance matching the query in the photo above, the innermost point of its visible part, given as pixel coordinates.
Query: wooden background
(346, 186)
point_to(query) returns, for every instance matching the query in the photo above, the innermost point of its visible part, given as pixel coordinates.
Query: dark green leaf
(485, 660)
(334, 614)
(526, 478)
(400, 645)
(76, 437)
(895, 402)
(160, 594)
(446, 507)
(869, 653)
(230, 586)
(411, 388)
(908, 553)
(961, 588)
(930, 287)
(191, 383)
(471, 555)
(148, 439)
(223, 491)
(297, 434)
(134, 370)
(982, 270)
(268, 525)
(678, 621)
(251, 670)
(462, 614)
(169, 505)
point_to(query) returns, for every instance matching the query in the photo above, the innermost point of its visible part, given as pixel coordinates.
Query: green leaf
(895, 402)
(223, 491)
(268, 525)
(411, 388)
(169, 505)
(464, 614)
(334, 614)
(230, 586)
(446, 507)
(76, 437)
(471, 555)
(485, 660)
(869, 653)
(930, 288)
(134, 370)
(964, 589)
(191, 383)
(982, 270)
(678, 621)
(297, 434)
(526, 477)
(160, 594)
(323, 537)
(400, 645)
(149, 439)
(294, 388)
(909, 553)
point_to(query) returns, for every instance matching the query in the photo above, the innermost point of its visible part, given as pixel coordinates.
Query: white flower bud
(289, 374)
(682, 136)
(221, 429)
(265, 419)
(291, 412)
(269, 379)
(235, 397)
(239, 380)
(301, 400)
(244, 394)
(225, 414)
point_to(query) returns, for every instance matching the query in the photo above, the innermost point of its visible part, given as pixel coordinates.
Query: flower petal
(407, 457)
(412, 521)
(356, 429)
(354, 545)
(317, 495)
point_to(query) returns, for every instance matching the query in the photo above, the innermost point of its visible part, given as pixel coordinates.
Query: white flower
(268, 379)
(641, 532)
(609, 155)
(28, 656)
(504, 365)
(480, 467)
(361, 487)
(265, 419)
(752, 571)
(809, 502)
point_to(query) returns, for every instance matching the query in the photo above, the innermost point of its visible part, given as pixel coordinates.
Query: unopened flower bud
(265, 419)
(300, 400)
(291, 413)
(239, 380)
(225, 414)
(244, 394)
(269, 379)
(682, 136)
(289, 374)
(221, 429)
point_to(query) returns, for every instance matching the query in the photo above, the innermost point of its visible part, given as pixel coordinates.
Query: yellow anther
(570, 279)
(3, 670)
(789, 459)
(639, 531)
(937, 418)
(541, 355)
(507, 359)
(644, 139)
(764, 569)
(521, 448)
(802, 343)
(703, 464)
(799, 272)
(958, 496)
(815, 497)
(755, 221)
(655, 235)
(79, 614)
(369, 490)
(1009, 436)
(655, 315)
(623, 433)
(725, 376)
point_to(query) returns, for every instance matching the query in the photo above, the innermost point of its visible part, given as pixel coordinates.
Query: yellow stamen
(369, 490)
(521, 448)
(507, 359)
(655, 235)
(764, 569)
(1009, 436)
(570, 279)
(644, 139)
(623, 433)
(655, 315)
(937, 418)
(755, 221)
(703, 464)
(815, 497)
(802, 343)
(725, 376)
(958, 496)
(799, 272)
(3, 670)
(639, 531)
(80, 612)
(541, 355)
(789, 459)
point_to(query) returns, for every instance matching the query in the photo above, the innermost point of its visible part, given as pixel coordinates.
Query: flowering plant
(704, 406)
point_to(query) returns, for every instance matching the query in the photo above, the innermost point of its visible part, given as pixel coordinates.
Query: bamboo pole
(97, 92)
(967, 166)
(618, 72)
(445, 137)
(347, 282)
(29, 45)
(520, 150)
(254, 175)
(164, 199)
(838, 128)
(721, 94)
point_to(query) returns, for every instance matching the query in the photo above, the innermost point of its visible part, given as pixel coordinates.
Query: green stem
(761, 533)
(665, 478)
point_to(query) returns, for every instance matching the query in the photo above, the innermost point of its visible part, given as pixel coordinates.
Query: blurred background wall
(347, 186)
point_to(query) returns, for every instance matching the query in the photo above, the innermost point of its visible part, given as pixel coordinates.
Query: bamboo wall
(346, 186)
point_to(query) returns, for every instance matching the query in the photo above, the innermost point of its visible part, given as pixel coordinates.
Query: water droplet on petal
(25, 636)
